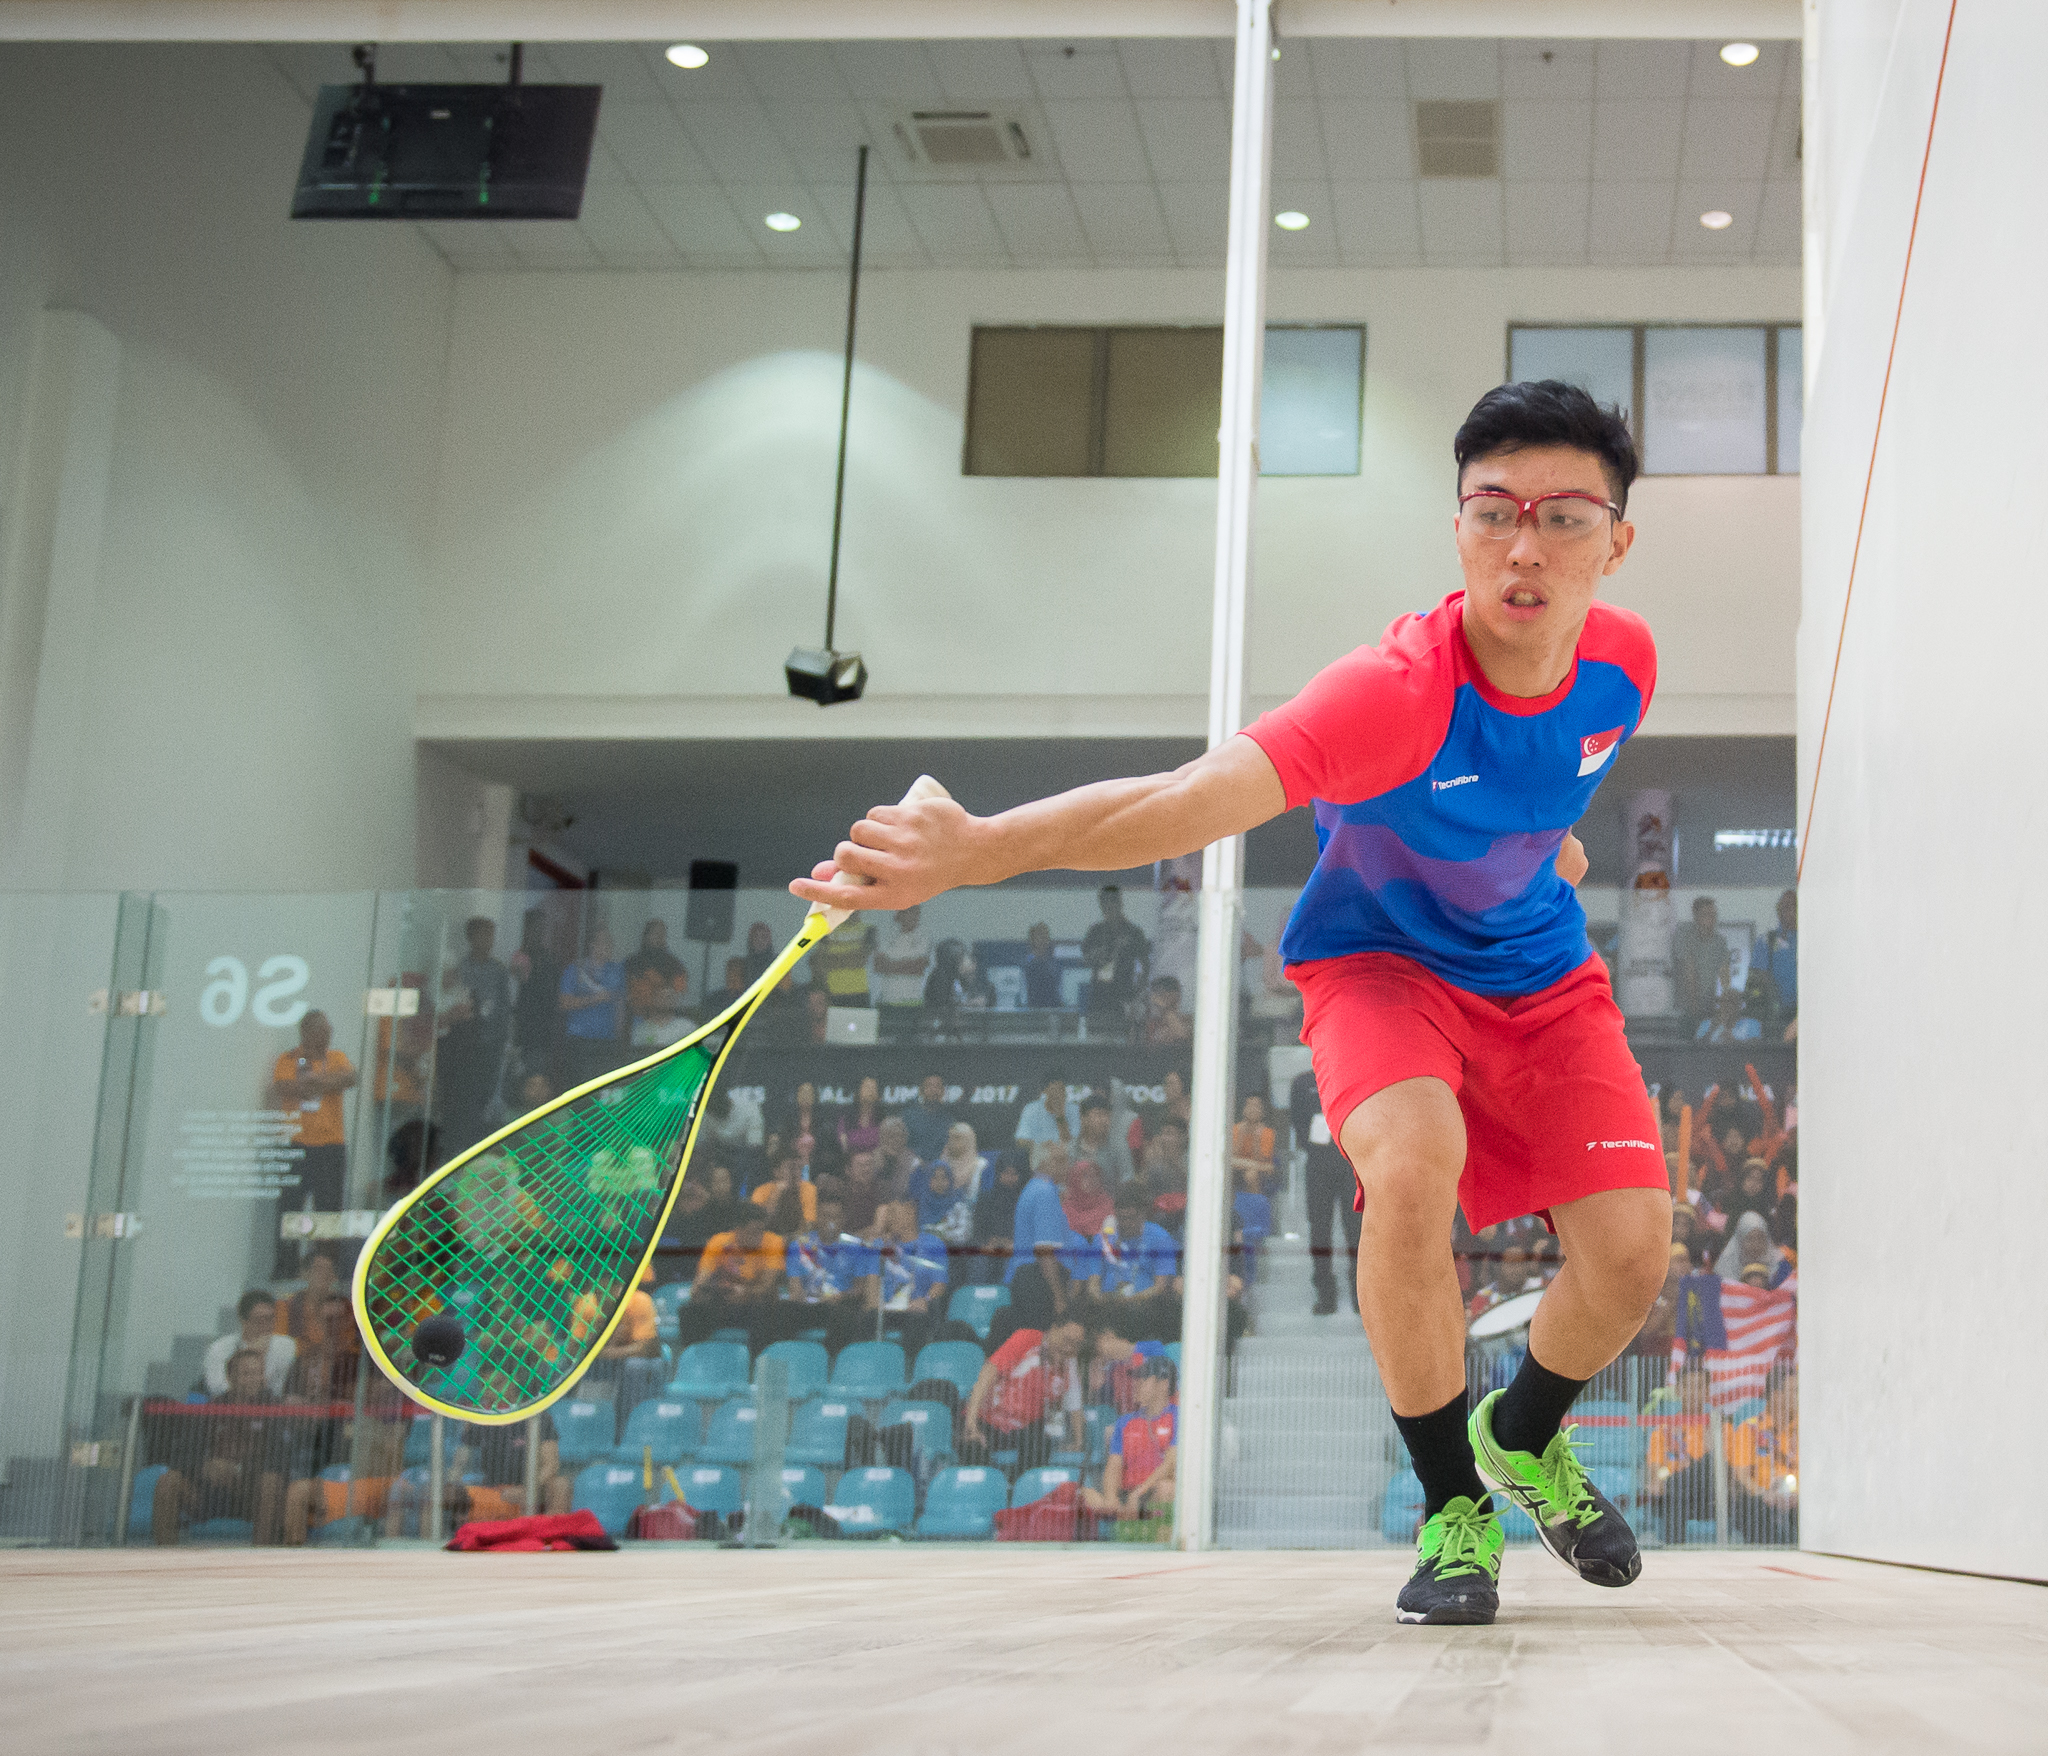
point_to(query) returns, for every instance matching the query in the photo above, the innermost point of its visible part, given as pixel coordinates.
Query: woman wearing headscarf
(1084, 1200)
(965, 1159)
(1751, 1243)
(944, 1208)
(995, 1217)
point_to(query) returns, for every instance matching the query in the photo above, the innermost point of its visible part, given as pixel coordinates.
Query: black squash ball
(439, 1340)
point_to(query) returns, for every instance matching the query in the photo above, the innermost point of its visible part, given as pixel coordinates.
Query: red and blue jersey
(1441, 803)
(1143, 1441)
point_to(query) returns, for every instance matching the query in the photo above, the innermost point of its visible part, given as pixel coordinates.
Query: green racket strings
(534, 1243)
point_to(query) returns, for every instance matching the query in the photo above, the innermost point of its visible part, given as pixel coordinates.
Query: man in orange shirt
(1678, 1470)
(632, 1358)
(738, 1278)
(306, 1084)
(1763, 1463)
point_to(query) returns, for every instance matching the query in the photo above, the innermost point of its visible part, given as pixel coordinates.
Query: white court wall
(1922, 1035)
(234, 649)
(636, 495)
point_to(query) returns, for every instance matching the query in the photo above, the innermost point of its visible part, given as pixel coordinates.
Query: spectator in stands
(246, 1456)
(1138, 1479)
(1118, 956)
(1041, 1219)
(692, 1223)
(859, 1126)
(905, 1271)
(1653, 1340)
(863, 1194)
(1776, 957)
(802, 1114)
(1252, 1144)
(257, 1310)
(944, 1208)
(476, 1029)
(839, 967)
(825, 1267)
(737, 1280)
(1174, 1105)
(1052, 1115)
(1726, 1023)
(304, 1315)
(374, 1449)
(1686, 1231)
(1329, 1185)
(1165, 1173)
(927, 1119)
(995, 1218)
(498, 1455)
(902, 960)
(1700, 961)
(1134, 1278)
(1027, 1397)
(1678, 1469)
(1751, 1246)
(657, 991)
(593, 990)
(307, 1084)
(968, 1163)
(1083, 1198)
(786, 1183)
(1164, 1020)
(413, 1150)
(732, 1121)
(632, 1358)
(729, 989)
(760, 950)
(1041, 970)
(1763, 1463)
(536, 1012)
(895, 1163)
(1098, 1143)
(1251, 1218)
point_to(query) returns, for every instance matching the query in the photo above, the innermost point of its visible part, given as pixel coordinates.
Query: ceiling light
(1291, 221)
(1716, 221)
(1738, 54)
(788, 222)
(689, 55)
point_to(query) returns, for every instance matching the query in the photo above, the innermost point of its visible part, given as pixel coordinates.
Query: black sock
(1442, 1452)
(1533, 1407)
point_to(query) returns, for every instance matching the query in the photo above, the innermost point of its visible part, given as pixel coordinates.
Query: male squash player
(1467, 1045)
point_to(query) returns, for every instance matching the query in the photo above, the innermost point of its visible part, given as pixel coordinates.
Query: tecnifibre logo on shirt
(1646, 1145)
(1441, 786)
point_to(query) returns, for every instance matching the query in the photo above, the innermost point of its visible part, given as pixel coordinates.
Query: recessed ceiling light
(1716, 221)
(781, 222)
(689, 55)
(1291, 221)
(1738, 54)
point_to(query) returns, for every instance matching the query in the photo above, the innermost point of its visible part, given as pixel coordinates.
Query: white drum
(1509, 1318)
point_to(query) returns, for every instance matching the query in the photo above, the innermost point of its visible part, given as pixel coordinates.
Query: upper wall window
(1703, 399)
(1146, 401)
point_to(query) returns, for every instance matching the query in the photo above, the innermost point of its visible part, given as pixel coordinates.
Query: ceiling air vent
(1457, 139)
(967, 142)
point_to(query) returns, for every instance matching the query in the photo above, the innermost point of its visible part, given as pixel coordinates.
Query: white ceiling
(1610, 153)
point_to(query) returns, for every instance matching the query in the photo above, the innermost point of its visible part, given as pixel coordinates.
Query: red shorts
(1554, 1103)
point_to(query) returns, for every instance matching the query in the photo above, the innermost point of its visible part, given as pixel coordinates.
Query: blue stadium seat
(142, 1501)
(671, 1430)
(1172, 1352)
(977, 1306)
(1590, 1411)
(870, 1370)
(1035, 1484)
(957, 1363)
(963, 1503)
(809, 1365)
(227, 1530)
(711, 1371)
(933, 1422)
(817, 1432)
(711, 1487)
(668, 1301)
(802, 1485)
(732, 1333)
(1101, 1422)
(1604, 1446)
(585, 1430)
(419, 1440)
(873, 1501)
(730, 1437)
(612, 1491)
(1700, 1530)
(1401, 1509)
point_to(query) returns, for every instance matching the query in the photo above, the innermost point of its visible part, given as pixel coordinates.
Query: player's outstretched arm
(913, 851)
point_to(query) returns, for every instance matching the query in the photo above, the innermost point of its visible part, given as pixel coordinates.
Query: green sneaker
(1456, 1565)
(1576, 1522)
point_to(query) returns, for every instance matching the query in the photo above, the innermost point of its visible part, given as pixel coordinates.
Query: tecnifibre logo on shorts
(1441, 786)
(1646, 1145)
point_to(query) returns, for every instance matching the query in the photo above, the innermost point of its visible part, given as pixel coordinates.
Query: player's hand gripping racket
(489, 1289)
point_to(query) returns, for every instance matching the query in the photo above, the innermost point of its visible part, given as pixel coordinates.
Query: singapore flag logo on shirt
(1594, 751)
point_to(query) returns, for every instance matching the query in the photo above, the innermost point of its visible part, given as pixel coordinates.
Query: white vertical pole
(1237, 474)
(1813, 195)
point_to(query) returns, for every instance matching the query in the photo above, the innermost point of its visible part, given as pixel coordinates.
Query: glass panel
(1309, 407)
(1600, 362)
(55, 951)
(1705, 394)
(1162, 402)
(1791, 396)
(1031, 403)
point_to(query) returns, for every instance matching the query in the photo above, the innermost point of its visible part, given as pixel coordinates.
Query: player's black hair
(1547, 411)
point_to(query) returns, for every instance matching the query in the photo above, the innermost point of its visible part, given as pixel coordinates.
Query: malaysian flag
(1736, 1330)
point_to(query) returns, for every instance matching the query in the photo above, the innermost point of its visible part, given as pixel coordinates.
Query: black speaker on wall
(713, 892)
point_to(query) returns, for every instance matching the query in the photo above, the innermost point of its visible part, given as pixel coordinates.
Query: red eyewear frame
(1527, 508)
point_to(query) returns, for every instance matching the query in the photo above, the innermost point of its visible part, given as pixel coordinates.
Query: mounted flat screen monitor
(447, 152)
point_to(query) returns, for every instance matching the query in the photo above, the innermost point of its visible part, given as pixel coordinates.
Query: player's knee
(1406, 1189)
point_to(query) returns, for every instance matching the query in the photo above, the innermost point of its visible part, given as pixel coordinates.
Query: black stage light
(825, 677)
